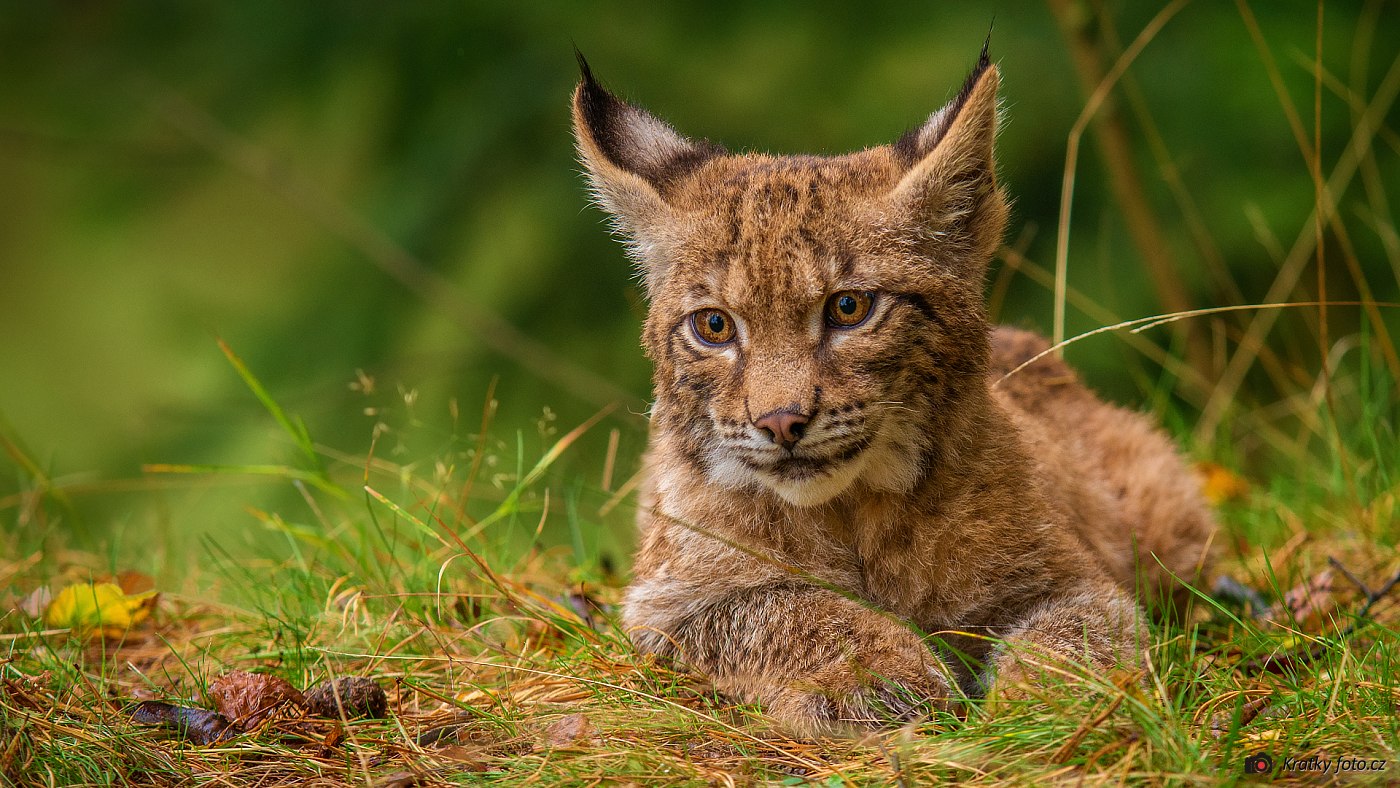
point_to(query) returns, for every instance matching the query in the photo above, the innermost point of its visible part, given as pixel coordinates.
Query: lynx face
(809, 316)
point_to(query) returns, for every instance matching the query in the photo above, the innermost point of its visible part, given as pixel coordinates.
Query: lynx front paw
(1013, 683)
(1067, 645)
(861, 694)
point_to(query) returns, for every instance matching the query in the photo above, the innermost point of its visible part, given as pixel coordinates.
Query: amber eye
(713, 326)
(849, 308)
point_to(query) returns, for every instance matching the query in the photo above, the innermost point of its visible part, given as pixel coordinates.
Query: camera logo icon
(1259, 763)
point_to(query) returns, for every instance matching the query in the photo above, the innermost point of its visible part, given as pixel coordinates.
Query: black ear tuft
(599, 108)
(916, 143)
(949, 173)
(634, 161)
(986, 59)
(631, 139)
(984, 62)
(598, 105)
(584, 70)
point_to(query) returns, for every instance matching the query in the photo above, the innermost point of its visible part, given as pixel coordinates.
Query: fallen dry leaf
(1220, 484)
(1307, 603)
(460, 757)
(574, 729)
(132, 582)
(433, 736)
(1228, 589)
(1220, 722)
(332, 740)
(99, 607)
(403, 780)
(583, 605)
(200, 726)
(349, 697)
(250, 698)
(28, 691)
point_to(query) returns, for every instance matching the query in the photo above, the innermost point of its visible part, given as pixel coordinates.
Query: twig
(1278, 663)
(1373, 598)
(1356, 581)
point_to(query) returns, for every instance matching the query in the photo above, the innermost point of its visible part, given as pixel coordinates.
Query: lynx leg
(1096, 625)
(817, 662)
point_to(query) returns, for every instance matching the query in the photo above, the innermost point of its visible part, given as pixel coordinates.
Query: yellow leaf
(1220, 484)
(99, 607)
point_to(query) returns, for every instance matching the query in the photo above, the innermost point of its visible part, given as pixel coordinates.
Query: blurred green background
(387, 191)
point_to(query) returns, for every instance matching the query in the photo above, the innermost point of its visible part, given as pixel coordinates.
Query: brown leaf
(432, 736)
(132, 583)
(200, 726)
(29, 691)
(460, 757)
(332, 740)
(574, 729)
(1307, 603)
(583, 605)
(402, 780)
(348, 697)
(1220, 722)
(250, 698)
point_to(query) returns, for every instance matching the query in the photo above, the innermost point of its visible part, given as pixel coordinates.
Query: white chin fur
(818, 489)
(732, 474)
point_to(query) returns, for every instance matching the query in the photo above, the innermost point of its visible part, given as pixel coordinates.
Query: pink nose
(783, 426)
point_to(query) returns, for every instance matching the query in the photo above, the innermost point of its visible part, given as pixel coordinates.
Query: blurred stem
(1078, 23)
(379, 248)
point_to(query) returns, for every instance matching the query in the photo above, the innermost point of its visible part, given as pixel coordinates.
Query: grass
(427, 579)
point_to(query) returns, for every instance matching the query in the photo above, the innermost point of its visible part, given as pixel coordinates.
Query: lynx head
(816, 323)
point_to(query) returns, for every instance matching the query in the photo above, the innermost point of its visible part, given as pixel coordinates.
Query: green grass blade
(293, 426)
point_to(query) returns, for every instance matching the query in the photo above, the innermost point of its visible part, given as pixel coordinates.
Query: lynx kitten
(850, 516)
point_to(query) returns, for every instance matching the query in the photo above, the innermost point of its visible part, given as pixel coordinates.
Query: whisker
(826, 440)
(895, 406)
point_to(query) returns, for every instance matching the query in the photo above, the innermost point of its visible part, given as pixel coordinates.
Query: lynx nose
(784, 427)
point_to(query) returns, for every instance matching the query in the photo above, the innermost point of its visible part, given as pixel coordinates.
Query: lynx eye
(849, 308)
(712, 326)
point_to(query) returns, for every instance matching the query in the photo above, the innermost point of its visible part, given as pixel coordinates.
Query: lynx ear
(633, 159)
(949, 183)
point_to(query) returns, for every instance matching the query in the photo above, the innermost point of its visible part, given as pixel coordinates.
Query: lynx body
(836, 464)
